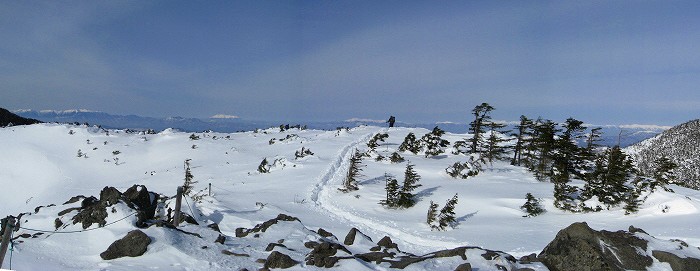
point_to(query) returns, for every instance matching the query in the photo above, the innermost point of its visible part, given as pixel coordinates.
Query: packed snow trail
(332, 178)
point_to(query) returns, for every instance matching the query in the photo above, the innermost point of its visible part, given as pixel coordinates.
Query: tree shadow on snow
(373, 180)
(465, 217)
(426, 193)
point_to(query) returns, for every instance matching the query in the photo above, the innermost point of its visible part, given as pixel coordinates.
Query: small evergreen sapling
(410, 183)
(432, 214)
(433, 144)
(447, 215)
(350, 182)
(189, 179)
(302, 153)
(392, 192)
(532, 206)
(395, 158)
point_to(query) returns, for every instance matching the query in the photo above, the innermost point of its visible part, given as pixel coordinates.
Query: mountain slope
(7, 117)
(680, 144)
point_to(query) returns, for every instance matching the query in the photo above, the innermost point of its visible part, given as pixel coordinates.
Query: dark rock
(387, 243)
(74, 199)
(376, 257)
(57, 223)
(324, 233)
(311, 244)
(134, 244)
(61, 213)
(226, 252)
(279, 260)
(633, 229)
(464, 267)
(87, 202)
(677, 263)
(221, 239)
(262, 227)
(350, 237)
(271, 246)
(524, 269)
(529, 258)
(110, 196)
(323, 254)
(93, 213)
(578, 247)
(214, 227)
(137, 197)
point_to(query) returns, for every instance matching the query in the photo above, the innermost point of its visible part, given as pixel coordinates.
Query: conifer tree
(524, 132)
(350, 182)
(494, 143)
(544, 145)
(608, 180)
(482, 116)
(189, 179)
(632, 202)
(433, 143)
(264, 166)
(374, 141)
(410, 183)
(392, 192)
(663, 173)
(447, 214)
(396, 158)
(410, 144)
(532, 206)
(432, 215)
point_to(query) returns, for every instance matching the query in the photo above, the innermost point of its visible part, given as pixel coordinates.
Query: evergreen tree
(410, 144)
(524, 132)
(410, 183)
(569, 158)
(189, 179)
(264, 166)
(608, 180)
(663, 173)
(544, 146)
(565, 197)
(374, 141)
(532, 206)
(460, 147)
(494, 143)
(433, 144)
(482, 117)
(350, 182)
(632, 202)
(432, 214)
(396, 158)
(392, 192)
(447, 214)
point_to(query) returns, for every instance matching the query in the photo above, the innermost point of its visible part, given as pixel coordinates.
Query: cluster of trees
(401, 196)
(431, 144)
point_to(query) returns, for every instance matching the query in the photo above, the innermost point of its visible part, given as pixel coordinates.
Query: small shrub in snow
(264, 166)
(194, 137)
(374, 142)
(396, 158)
(117, 152)
(302, 153)
(532, 206)
(189, 179)
(379, 158)
(465, 170)
(80, 153)
(410, 183)
(392, 192)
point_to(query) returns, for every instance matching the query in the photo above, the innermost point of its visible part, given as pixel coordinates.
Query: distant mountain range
(625, 134)
(680, 144)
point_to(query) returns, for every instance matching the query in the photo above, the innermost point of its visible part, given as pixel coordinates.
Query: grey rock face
(134, 244)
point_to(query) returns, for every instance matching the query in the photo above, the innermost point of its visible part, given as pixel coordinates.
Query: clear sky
(603, 62)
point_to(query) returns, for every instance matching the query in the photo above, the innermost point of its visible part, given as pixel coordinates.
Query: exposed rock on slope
(680, 144)
(578, 247)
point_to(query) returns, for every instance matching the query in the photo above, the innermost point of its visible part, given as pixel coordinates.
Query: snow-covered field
(39, 165)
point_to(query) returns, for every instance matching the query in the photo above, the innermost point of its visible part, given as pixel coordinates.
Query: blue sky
(603, 62)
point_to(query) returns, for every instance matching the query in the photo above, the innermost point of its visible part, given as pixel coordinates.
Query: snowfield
(40, 165)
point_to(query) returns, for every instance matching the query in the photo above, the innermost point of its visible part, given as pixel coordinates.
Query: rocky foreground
(285, 242)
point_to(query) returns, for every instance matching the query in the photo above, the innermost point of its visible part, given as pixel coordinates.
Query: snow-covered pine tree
(568, 157)
(350, 182)
(373, 143)
(482, 117)
(544, 146)
(608, 182)
(532, 206)
(663, 173)
(632, 202)
(447, 214)
(524, 133)
(396, 158)
(410, 183)
(410, 144)
(432, 215)
(433, 144)
(302, 153)
(392, 192)
(189, 179)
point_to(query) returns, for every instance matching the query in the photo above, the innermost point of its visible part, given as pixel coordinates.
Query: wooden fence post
(9, 224)
(178, 204)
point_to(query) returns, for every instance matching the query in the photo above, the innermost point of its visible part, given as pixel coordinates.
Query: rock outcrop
(134, 244)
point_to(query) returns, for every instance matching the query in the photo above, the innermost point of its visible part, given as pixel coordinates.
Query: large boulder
(279, 260)
(134, 244)
(578, 247)
(138, 197)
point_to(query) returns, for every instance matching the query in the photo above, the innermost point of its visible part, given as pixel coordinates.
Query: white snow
(39, 166)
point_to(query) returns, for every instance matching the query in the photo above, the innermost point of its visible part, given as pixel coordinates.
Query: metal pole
(178, 204)
(210, 189)
(9, 224)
